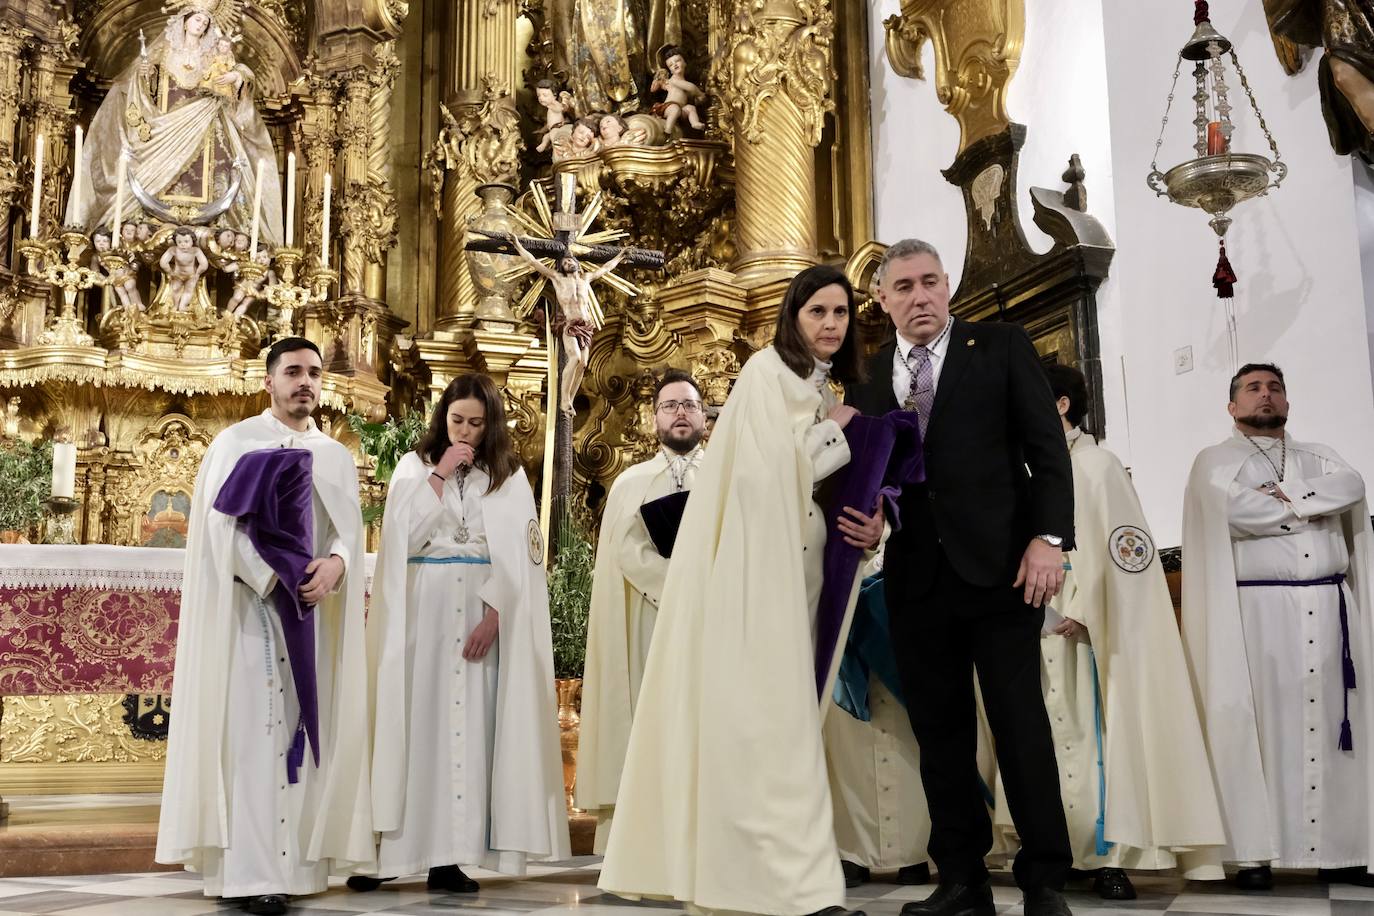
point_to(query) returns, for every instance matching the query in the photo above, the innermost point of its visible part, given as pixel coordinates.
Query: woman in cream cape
(724, 802)
(466, 768)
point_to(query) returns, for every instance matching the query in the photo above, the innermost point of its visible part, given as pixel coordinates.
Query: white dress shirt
(901, 371)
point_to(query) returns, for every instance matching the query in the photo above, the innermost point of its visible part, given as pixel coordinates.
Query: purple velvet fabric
(885, 454)
(269, 492)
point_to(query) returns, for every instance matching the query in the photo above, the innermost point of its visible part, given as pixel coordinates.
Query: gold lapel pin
(969, 343)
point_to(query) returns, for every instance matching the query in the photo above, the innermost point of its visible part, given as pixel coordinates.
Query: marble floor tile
(1251, 905)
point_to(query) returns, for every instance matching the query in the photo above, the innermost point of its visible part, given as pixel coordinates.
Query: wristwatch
(1053, 540)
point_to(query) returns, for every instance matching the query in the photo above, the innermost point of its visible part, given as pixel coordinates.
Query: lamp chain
(1154, 163)
(1245, 84)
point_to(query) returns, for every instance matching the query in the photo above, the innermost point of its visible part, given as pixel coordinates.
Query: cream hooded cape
(1160, 801)
(337, 823)
(724, 801)
(1215, 641)
(528, 808)
(609, 688)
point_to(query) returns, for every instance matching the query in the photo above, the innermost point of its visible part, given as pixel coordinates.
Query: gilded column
(354, 140)
(12, 42)
(52, 116)
(482, 73)
(381, 192)
(314, 136)
(775, 73)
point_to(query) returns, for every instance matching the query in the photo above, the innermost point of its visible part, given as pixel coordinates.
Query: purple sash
(1346, 741)
(885, 454)
(269, 492)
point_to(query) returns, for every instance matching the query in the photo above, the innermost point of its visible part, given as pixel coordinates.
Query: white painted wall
(1093, 80)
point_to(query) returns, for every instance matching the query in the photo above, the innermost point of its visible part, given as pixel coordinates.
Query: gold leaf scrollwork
(481, 141)
(779, 56)
(977, 46)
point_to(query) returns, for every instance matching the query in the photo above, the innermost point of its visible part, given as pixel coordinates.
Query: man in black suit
(980, 551)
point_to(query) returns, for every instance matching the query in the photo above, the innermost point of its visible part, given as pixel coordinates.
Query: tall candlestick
(257, 208)
(76, 214)
(324, 222)
(37, 186)
(64, 470)
(290, 198)
(121, 179)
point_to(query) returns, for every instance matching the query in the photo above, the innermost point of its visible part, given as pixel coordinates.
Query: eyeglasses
(671, 407)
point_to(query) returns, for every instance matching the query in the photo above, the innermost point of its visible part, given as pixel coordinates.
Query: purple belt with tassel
(1347, 742)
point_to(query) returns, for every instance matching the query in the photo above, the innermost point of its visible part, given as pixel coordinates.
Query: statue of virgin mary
(183, 115)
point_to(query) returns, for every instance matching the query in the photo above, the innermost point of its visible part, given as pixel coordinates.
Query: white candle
(290, 198)
(64, 469)
(37, 185)
(76, 175)
(257, 208)
(121, 179)
(324, 223)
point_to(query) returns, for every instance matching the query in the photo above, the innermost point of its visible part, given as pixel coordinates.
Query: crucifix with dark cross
(555, 253)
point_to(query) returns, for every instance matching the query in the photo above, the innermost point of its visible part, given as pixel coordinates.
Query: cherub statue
(613, 131)
(222, 252)
(119, 274)
(558, 106)
(247, 291)
(12, 418)
(582, 142)
(128, 237)
(183, 263)
(577, 321)
(144, 233)
(681, 92)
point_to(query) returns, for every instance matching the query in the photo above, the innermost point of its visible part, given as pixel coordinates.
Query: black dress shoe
(267, 905)
(1113, 884)
(1358, 875)
(914, 874)
(451, 878)
(1044, 901)
(1255, 879)
(365, 883)
(954, 900)
(837, 911)
(854, 874)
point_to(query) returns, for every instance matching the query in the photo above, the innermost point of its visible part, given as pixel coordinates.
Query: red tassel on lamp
(1224, 278)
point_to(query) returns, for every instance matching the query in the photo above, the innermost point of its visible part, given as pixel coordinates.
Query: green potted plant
(386, 444)
(570, 599)
(25, 483)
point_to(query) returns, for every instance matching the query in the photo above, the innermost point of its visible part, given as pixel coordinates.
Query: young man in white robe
(1133, 768)
(1276, 605)
(626, 588)
(233, 807)
(467, 768)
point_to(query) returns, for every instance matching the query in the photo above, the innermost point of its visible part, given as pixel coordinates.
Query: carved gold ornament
(977, 49)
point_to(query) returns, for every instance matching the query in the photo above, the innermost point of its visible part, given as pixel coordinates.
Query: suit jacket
(992, 419)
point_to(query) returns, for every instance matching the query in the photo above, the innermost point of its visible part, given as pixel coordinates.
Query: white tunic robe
(724, 802)
(1153, 789)
(466, 765)
(228, 809)
(445, 819)
(1306, 804)
(626, 588)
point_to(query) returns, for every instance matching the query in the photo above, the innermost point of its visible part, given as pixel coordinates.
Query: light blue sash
(427, 561)
(1103, 847)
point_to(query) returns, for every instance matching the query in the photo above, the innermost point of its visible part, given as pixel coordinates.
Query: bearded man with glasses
(626, 588)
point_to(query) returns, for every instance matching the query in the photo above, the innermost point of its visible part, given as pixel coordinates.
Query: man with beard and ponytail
(266, 792)
(1276, 604)
(626, 588)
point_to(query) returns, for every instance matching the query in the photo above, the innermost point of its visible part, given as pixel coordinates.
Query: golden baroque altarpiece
(408, 124)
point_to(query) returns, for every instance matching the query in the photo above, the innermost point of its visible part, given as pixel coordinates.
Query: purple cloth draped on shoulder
(270, 493)
(885, 454)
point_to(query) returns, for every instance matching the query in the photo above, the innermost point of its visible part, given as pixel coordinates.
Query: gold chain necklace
(1283, 454)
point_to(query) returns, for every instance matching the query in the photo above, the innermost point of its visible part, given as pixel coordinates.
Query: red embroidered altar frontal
(88, 618)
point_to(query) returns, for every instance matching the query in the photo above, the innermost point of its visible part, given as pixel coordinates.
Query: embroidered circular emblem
(535, 539)
(1130, 548)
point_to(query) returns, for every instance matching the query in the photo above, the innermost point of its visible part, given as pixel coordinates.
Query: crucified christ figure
(576, 321)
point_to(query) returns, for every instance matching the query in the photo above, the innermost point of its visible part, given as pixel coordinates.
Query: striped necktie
(921, 395)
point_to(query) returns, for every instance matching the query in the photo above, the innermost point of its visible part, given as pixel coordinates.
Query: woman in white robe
(724, 802)
(467, 762)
